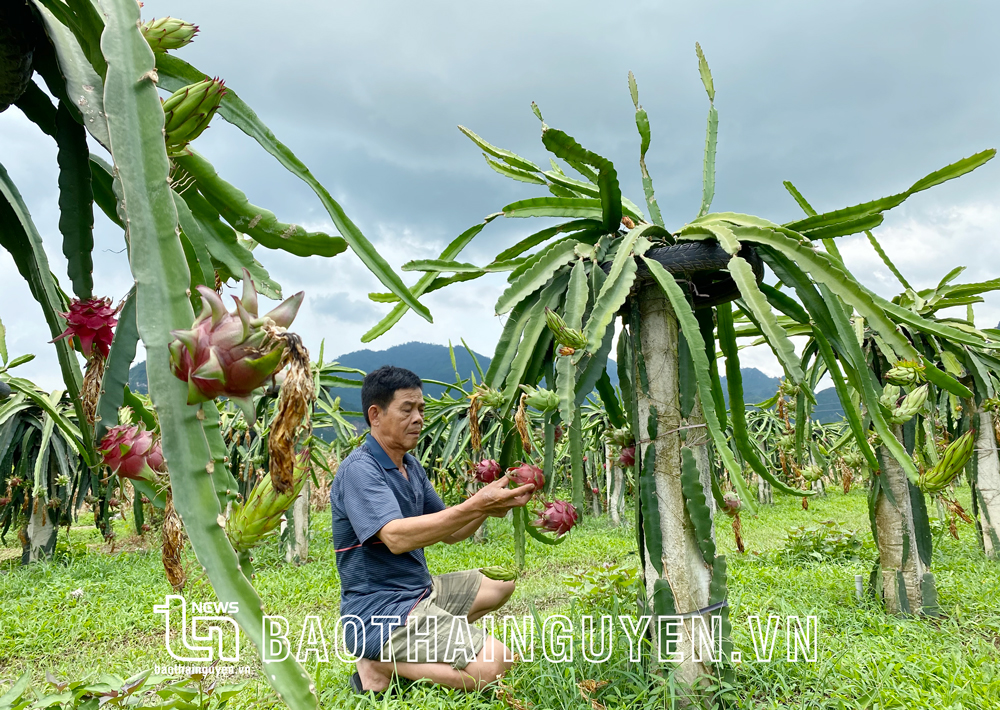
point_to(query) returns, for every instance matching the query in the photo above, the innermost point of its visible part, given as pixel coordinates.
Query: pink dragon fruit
(731, 503)
(131, 452)
(527, 473)
(487, 471)
(558, 517)
(92, 321)
(558, 432)
(230, 354)
(627, 456)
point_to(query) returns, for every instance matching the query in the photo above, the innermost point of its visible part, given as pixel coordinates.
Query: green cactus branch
(135, 122)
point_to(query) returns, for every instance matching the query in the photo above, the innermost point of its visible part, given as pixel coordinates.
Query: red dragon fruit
(230, 354)
(527, 473)
(627, 456)
(558, 517)
(487, 471)
(131, 452)
(92, 321)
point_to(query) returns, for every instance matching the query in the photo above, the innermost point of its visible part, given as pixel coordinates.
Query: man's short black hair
(379, 386)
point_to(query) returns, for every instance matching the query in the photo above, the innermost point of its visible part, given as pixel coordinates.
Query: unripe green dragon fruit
(540, 398)
(250, 522)
(167, 33)
(131, 452)
(854, 459)
(905, 372)
(230, 354)
(188, 111)
(566, 337)
(950, 466)
(620, 437)
(558, 516)
(497, 572)
(527, 473)
(812, 473)
(487, 396)
(911, 404)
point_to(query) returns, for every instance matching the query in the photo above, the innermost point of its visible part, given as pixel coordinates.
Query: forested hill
(433, 362)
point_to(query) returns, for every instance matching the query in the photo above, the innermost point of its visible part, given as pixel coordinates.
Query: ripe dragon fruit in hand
(92, 321)
(131, 452)
(527, 473)
(487, 471)
(230, 354)
(558, 517)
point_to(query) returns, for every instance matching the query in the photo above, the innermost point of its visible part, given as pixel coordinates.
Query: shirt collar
(380, 455)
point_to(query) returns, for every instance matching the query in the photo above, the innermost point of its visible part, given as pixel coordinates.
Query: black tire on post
(700, 266)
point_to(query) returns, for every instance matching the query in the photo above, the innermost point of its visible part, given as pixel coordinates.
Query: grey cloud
(849, 100)
(341, 307)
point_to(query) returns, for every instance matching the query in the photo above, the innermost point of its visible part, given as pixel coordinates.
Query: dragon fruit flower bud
(92, 321)
(627, 456)
(168, 33)
(131, 452)
(527, 473)
(558, 517)
(569, 338)
(487, 471)
(188, 112)
(230, 354)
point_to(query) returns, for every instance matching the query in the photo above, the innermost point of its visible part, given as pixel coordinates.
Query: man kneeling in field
(385, 511)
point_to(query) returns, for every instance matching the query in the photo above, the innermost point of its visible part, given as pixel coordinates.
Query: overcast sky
(849, 100)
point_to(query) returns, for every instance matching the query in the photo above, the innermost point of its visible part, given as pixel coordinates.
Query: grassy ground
(866, 659)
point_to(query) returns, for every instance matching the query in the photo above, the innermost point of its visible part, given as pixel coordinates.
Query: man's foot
(368, 677)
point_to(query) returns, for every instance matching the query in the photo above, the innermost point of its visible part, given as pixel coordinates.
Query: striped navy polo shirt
(368, 492)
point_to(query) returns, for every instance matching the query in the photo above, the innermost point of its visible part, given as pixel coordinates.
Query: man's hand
(495, 499)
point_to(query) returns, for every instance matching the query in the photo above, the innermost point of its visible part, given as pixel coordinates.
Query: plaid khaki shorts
(437, 631)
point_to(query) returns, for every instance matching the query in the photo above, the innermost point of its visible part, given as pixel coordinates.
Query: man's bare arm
(465, 532)
(407, 534)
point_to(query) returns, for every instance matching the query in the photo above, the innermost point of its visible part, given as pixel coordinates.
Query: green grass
(866, 659)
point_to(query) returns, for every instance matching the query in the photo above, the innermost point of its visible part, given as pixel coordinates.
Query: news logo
(210, 634)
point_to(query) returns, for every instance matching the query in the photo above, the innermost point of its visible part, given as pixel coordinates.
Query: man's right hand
(495, 499)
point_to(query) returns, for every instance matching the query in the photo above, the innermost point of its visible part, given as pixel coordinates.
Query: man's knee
(491, 662)
(504, 593)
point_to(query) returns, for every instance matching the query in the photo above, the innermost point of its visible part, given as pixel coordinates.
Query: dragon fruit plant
(125, 114)
(672, 286)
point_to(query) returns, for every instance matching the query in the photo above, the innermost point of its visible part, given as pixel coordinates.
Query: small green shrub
(827, 541)
(596, 588)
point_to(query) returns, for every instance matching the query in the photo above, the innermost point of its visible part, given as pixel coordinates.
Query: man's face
(400, 423)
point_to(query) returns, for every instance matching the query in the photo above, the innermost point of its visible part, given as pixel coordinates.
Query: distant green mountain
(429, 362)
(433, 362)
